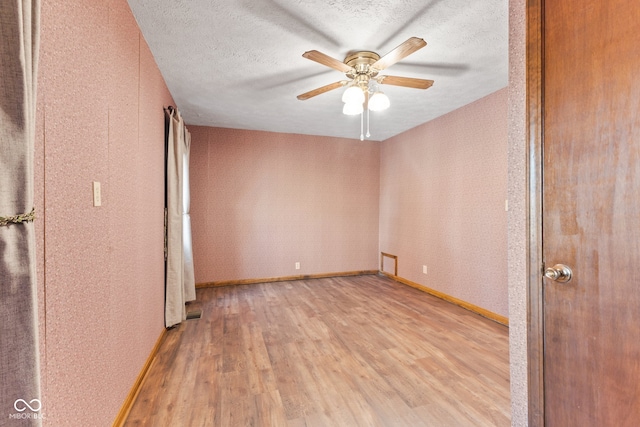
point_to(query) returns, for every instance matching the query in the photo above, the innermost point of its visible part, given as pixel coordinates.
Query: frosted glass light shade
(352, 108)
(379, 101)
(353, 95)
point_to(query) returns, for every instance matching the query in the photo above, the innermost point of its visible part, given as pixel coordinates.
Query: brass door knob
(559, 272)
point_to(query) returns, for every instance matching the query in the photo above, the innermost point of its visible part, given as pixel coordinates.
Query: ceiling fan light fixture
(379, 101)
(362, 69)
(352, 108)
(353, 95)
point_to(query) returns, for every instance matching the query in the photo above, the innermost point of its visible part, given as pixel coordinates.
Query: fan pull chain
(368, 121)
(362, 126)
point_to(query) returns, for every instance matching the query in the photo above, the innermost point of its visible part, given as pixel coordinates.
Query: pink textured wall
(263, 201)
(442, 203)
(517, 223)
(101, 269)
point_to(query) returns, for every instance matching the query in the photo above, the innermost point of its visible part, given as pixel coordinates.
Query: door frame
(534, 181)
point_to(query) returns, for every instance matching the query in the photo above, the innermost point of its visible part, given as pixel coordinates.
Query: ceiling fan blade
(322, 90)
(323, 59)
(405, 81)
(402, 51)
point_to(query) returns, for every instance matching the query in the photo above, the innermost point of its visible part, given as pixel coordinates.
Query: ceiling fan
(362, 68)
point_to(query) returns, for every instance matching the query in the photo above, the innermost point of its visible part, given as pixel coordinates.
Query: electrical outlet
(297, 266)
(97, 196)
(424, 269)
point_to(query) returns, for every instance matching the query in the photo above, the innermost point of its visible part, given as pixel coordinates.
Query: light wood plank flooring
(356, 351)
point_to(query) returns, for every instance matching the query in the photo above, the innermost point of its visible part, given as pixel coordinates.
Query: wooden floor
(357, 351)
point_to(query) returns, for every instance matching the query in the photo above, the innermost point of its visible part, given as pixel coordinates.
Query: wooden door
(591, 212)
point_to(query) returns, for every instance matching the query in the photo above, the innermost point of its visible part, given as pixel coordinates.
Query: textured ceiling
(239, 64)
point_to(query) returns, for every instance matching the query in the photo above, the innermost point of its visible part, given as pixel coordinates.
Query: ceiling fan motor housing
(361, 64)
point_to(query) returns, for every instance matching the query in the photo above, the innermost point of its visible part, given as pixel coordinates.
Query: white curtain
(179, 283)
(189, 279)
(19, 365)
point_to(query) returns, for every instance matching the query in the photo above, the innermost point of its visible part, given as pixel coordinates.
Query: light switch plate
(97, 194)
